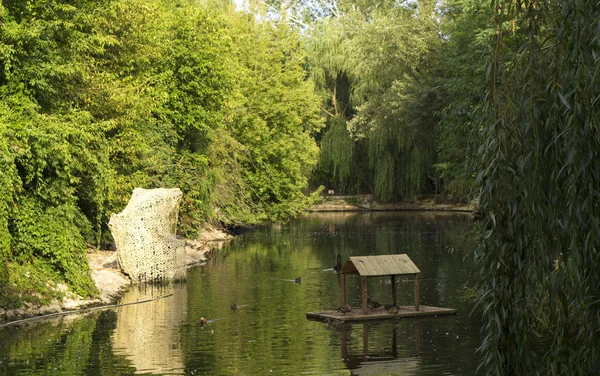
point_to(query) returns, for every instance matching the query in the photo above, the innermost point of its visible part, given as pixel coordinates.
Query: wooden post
(366, 339)
(344, 334)
(343, 288)
(416, 292)
(418, 337)
(364, 296)
(394, 299)
(395, 341)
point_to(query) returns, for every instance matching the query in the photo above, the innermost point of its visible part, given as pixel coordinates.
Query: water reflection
(147, 334)
(270, 333)
(387, 359)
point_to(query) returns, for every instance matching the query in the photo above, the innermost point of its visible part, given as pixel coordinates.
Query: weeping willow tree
(341, 164)
(375, 64)
(539, 181)
(395, 96)
(399, 161)
(337, 153)
(330, 67)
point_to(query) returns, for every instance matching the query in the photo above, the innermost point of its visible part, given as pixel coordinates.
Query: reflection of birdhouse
(377, 360)
(376, 266)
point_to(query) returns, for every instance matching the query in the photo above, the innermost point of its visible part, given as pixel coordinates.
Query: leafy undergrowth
(34, 283)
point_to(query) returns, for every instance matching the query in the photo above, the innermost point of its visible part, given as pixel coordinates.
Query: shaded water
(269, 333)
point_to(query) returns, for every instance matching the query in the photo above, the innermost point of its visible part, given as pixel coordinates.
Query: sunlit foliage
(100, 97)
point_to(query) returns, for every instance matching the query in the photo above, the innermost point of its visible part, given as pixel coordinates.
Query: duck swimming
(298, 280)
(337, 267)
(203, 321)
(234, 306)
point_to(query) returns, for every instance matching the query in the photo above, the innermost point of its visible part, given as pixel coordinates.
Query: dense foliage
(100, 97)
(462, 74)
(539, 179)
(376, 68)
(97, 98)
(517, 89)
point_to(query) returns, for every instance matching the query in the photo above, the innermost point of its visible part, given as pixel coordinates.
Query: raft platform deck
(380, 314)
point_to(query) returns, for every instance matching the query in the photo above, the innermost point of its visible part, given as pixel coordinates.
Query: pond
(269, 332)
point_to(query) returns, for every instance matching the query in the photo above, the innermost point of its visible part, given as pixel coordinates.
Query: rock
(211, 234)
(194, 258)
(114, 264)
(14, 314)
(144, 233)
(70, 305)
(195, 252)
(52, 308)
(75, 304)
(111, 262)
(110, 283)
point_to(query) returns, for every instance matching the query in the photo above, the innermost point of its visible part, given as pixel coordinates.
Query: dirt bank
(109, 279)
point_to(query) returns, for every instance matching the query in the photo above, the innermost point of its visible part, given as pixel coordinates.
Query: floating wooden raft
(374, 266)
(380, 314)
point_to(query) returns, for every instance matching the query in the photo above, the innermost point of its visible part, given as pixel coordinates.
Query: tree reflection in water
(270, 333)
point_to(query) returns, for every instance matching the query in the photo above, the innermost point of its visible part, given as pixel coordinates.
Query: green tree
(376, 64)
(273, 116)
(340, 164)
(468, 31)
(98, 98)
(55, 170)
(538, 179)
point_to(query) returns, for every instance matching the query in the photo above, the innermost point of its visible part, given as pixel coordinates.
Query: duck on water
(338, 266)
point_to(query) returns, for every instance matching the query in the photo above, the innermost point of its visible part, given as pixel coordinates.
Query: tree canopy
(245, 109)
(375, 65)
(98, 98)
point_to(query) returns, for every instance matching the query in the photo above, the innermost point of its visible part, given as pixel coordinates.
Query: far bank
(333, 203)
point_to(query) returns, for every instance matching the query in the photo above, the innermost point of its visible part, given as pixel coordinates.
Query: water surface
(269, 333)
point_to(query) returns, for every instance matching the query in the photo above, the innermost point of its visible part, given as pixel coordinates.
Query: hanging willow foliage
(399, 158)
(540, 180)
(376, 68)
(337, 152)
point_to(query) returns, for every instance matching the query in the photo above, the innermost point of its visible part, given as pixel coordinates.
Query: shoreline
(110, 281)
(358, 203)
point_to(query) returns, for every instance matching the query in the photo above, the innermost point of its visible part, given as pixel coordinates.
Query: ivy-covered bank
(100, 97)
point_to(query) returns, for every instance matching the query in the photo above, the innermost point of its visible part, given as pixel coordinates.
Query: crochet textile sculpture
(144, 233)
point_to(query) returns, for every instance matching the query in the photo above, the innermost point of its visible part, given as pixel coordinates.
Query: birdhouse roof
(370, 266)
